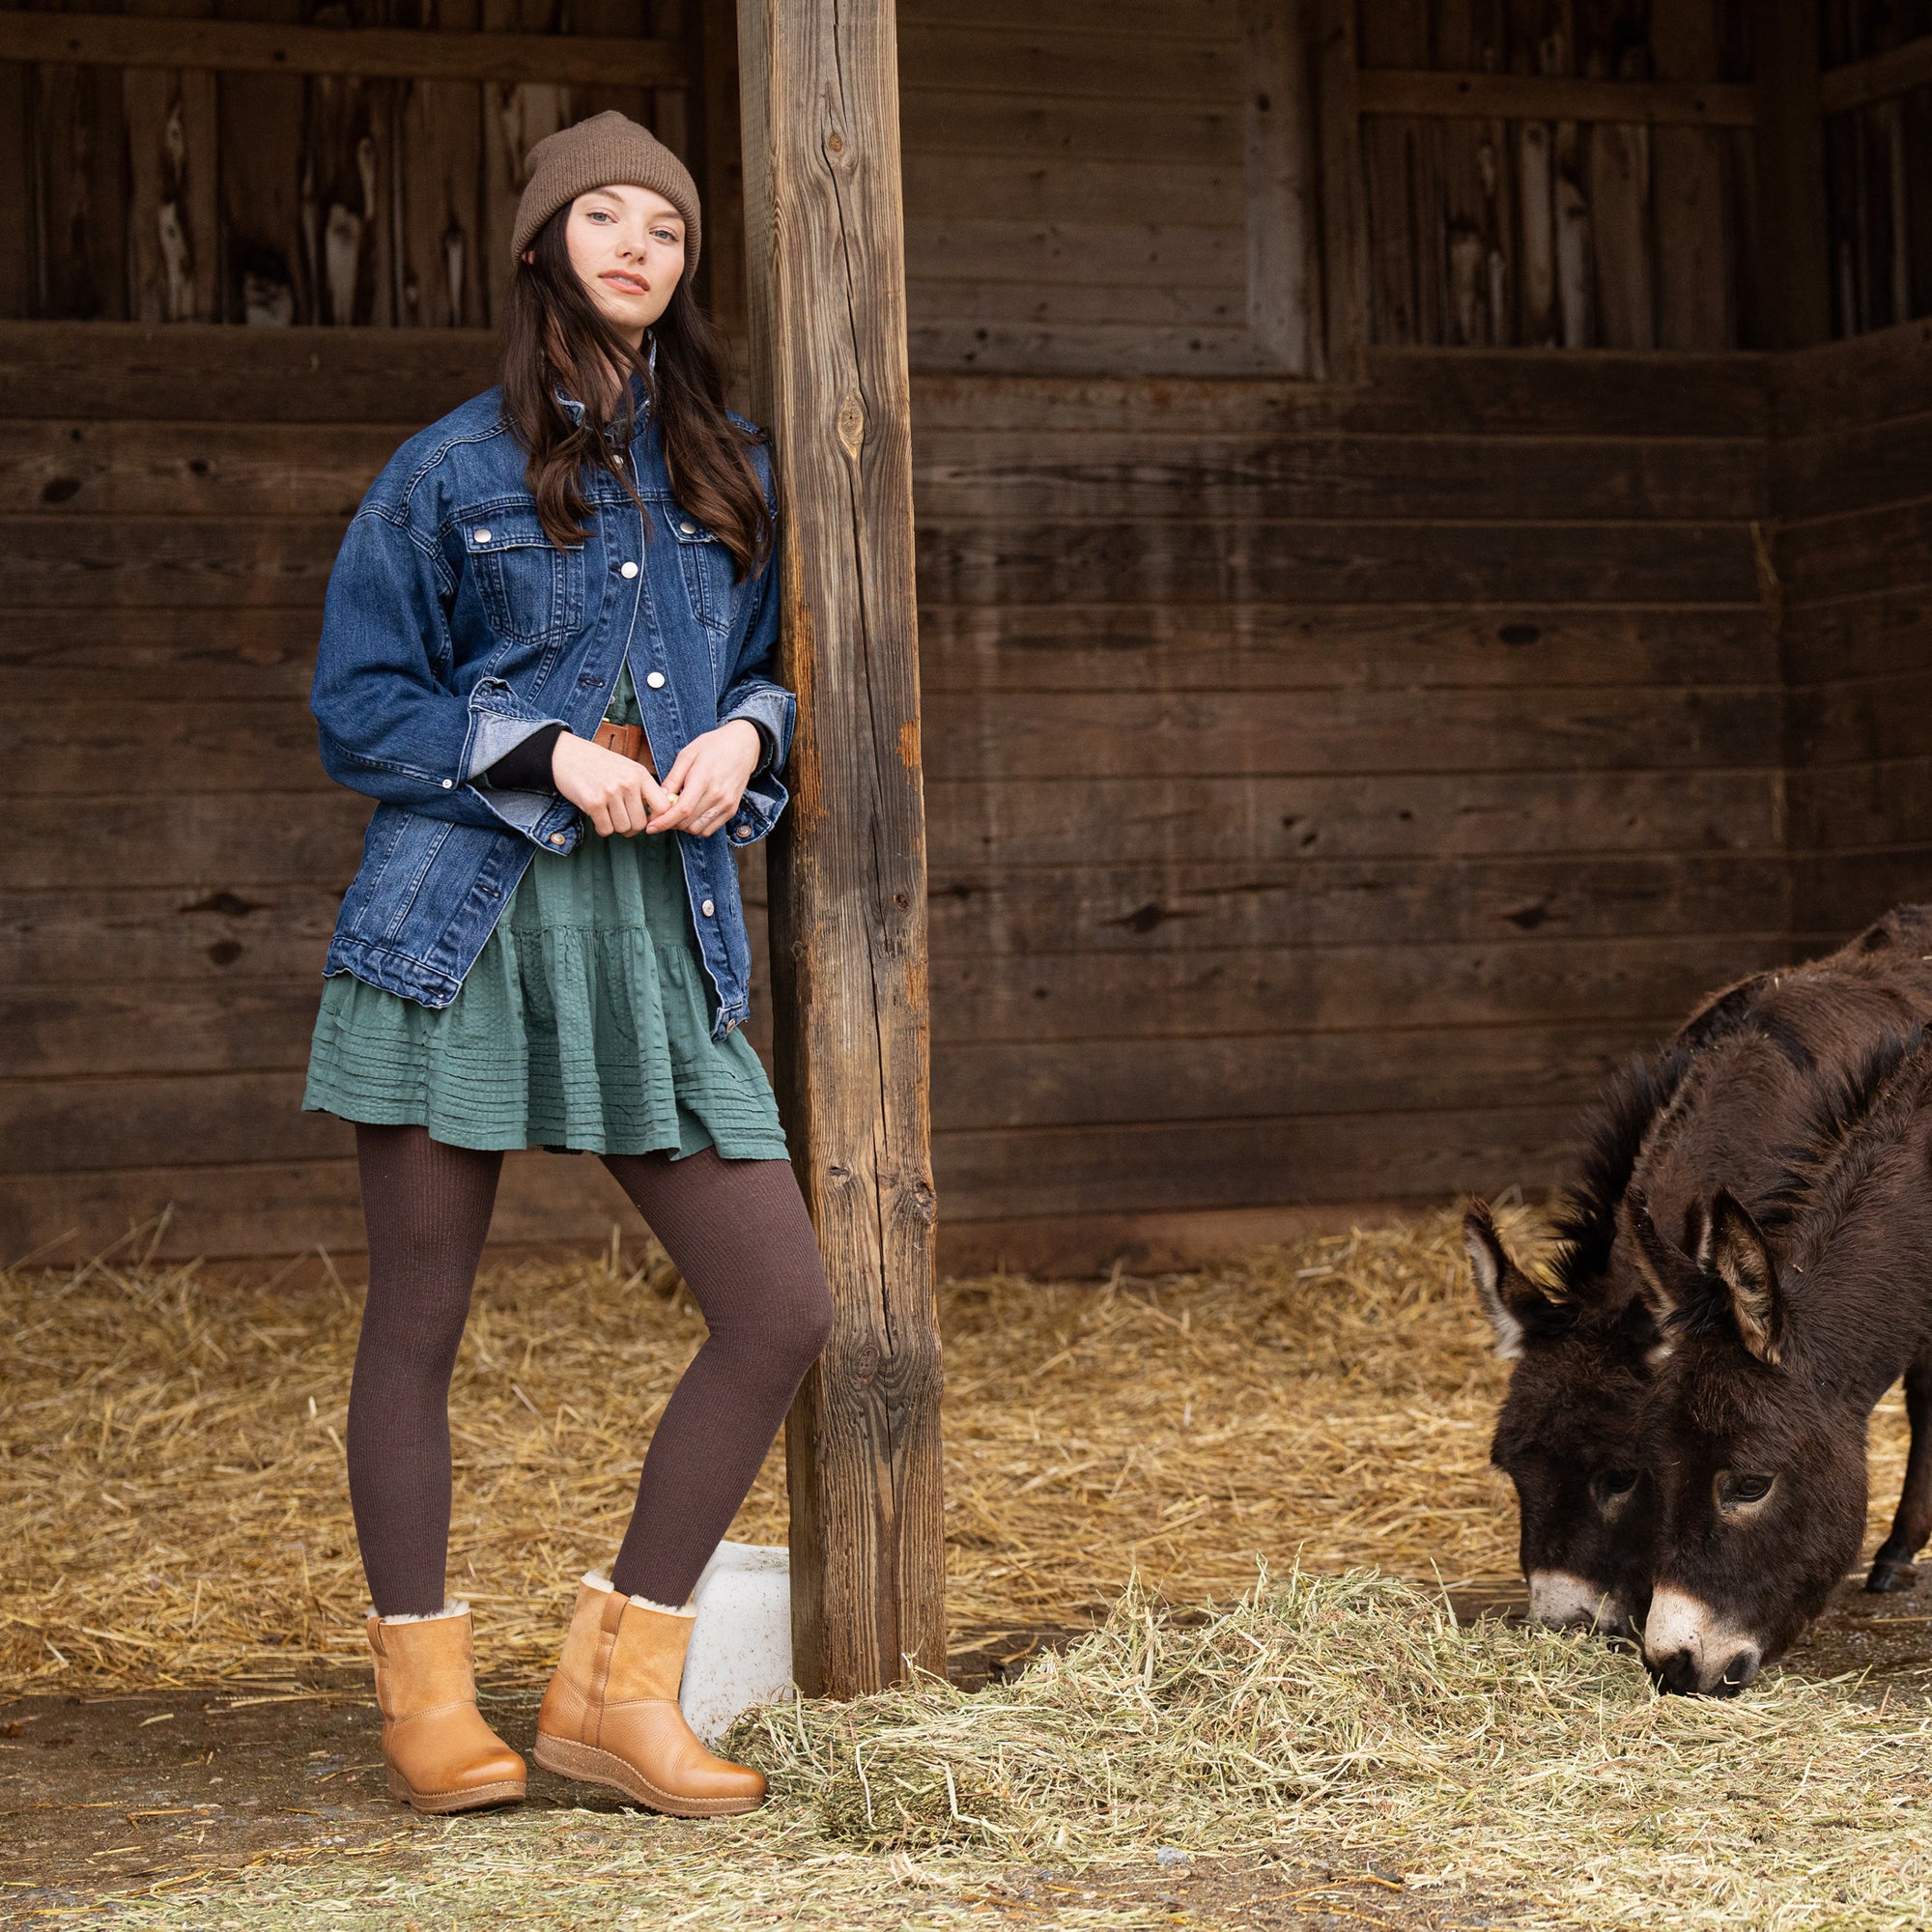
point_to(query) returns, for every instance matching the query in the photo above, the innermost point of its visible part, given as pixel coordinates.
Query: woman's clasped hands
(700, 792)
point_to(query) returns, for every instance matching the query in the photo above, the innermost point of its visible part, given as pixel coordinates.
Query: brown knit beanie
(606, 150)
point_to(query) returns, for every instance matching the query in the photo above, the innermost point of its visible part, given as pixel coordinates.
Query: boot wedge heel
(440, 1804)
(588, 1765)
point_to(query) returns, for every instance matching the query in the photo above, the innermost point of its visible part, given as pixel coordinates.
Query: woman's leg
(427, 1207)
(741, 1237)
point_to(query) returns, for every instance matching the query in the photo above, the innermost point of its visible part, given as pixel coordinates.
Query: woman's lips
(632, 285)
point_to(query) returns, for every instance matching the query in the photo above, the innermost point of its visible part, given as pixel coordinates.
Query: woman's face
(627, 247)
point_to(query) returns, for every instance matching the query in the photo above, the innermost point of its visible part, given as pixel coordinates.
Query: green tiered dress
(585, 1024)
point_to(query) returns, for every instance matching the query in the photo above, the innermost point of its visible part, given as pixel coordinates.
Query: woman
(545, 652)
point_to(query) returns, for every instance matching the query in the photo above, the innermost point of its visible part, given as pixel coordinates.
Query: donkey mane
(1832, 1151)
(1883, 1098)
(1723, 1013)
(1614, 1136)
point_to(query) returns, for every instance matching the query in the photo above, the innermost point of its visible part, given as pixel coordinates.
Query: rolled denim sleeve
(391, 724)
(759, 698)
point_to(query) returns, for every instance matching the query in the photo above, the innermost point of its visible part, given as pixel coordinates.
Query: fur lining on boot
(597, 1580)
(452, 1607)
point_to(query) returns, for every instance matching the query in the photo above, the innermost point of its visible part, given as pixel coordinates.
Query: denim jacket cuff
(759, 810)
(495, 734)
(771, 708)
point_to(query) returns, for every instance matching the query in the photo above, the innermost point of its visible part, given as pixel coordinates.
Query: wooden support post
(826, 270)
(1794, 246)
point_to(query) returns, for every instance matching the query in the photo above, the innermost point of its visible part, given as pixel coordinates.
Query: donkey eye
(1733, 1489)
(1614, 1483)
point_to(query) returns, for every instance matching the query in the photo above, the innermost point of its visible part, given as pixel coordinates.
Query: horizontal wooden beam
(1882, 77)
(1523, 96)
(399, 53)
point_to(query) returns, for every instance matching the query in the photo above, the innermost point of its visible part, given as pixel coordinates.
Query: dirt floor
(123, 1799)
(117, 1799)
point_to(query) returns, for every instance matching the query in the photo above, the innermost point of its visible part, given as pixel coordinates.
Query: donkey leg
(1892, 1568)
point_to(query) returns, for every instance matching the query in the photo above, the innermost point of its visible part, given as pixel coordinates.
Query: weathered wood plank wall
(1259, 717)
(1119, 184)
(1854, 560)
(1878, 153)
(159, 194)
(1558, 229)
(1324, 779)
(1325, 783)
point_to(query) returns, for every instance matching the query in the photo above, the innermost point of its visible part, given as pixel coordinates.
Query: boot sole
(439, 1803)
(589, 1765)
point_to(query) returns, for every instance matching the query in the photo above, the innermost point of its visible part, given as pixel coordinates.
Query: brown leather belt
(628, 741)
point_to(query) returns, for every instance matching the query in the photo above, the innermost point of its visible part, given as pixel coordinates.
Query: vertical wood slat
(1478, 297)
(269, 217)
(1284, 278)
(826, 279)
(438, 168)
(18, 273)
(1794, 248)
(516, 116)
(1343, 245)
(78, 136)
(1622, 228)
(1695, 273)
(724, 179)
(172, 226)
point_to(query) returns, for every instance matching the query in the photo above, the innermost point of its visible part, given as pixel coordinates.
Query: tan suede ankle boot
(611, 1714)
(441, 1755)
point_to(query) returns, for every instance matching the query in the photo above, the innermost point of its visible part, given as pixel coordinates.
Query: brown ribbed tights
(740, 1237)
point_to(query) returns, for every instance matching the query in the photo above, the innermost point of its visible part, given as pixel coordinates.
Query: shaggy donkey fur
(1769, 1366)
(1746, 1079)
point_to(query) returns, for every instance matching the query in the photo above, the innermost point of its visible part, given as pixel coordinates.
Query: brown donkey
(1745, 1081)
(1772, 1357)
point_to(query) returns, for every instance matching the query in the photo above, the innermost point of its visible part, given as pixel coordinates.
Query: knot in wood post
(852, 425)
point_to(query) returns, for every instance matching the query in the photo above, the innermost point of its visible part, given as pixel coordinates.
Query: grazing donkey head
(1746, 1079)
(1767, 1368)
(1761, 1478)
(1567, 1436)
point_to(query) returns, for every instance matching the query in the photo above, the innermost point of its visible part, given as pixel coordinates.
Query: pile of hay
(173, 1506)
(1322, 1728)
(1488, 1756)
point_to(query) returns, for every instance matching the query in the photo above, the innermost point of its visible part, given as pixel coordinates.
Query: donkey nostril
(1678, 1673)
(1738, 1674)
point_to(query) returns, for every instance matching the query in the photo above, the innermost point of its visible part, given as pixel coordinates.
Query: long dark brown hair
(554, 338)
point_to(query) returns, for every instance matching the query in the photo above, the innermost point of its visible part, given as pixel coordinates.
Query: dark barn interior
(1425, 560)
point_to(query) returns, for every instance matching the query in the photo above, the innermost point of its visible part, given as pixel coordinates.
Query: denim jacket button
(688, 529)
(655, 679)
(627, 570)
(707, 908)
(449, 785)
(557, 838)
(482, 537)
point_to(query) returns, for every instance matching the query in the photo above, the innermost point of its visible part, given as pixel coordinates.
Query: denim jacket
(454, 629)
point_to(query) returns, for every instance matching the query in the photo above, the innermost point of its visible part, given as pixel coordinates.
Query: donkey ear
(1741, 1258)
(1665, 1275)
(1508, 1295)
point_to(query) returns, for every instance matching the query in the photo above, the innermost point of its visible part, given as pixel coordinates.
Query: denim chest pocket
(710, 571)
(530, 590)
